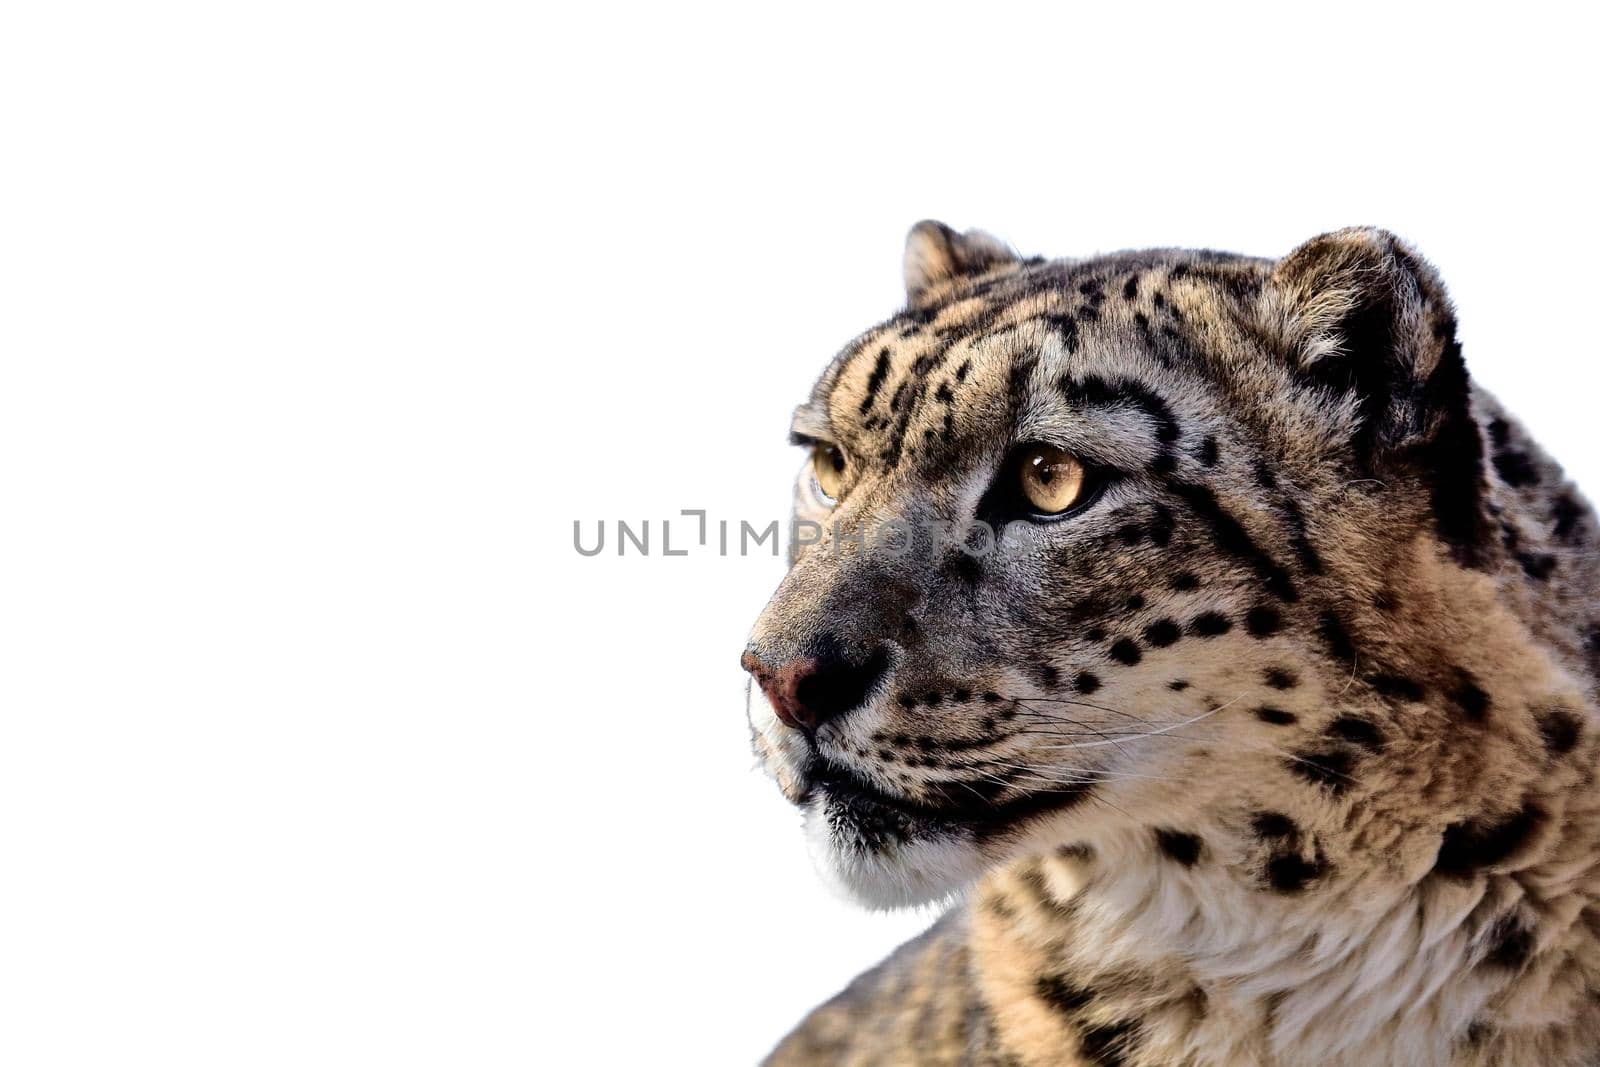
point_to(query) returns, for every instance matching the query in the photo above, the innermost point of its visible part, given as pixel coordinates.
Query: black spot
(880, 371)
(1125, 651)
(1329, 768)
(1135, 602)
(1276, 716)
(1180, 847)
(1067, 327)
(1209, 453)
(1499, 432)
(1130, 289)
(1288, 873)
(1106, 1046)
(1184, 582)
(1161, 526)
(1130, 533)
(1393, 685)
(1273, 826)
(899, 394)
(1263, 621)
(1086, 683)
(1515, 468)
(1357, 731)
(907, 701)
(931, 699)
(1537, 565)
(1335, 636)
(966, 569)
(1510, 944)
(961, 696)
(991, 697)
(1468, 847)
(1095, 633)
(1472, 700)
(1163, 633)
(1061, 994)
(1047, 676)
(1560, 730)
(1210, 624)
(961, 371)
(1177, 685)
(943, 394)
(1279, 678)
(1565, 513)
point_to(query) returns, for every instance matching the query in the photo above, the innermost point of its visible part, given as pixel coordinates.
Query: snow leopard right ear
(1362, 315)
(935, 254)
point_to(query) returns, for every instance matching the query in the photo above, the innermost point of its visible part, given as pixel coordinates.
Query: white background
(322, 322)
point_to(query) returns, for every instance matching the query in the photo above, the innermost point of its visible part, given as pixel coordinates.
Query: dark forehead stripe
(909, 394)
(1299, 535)
(1231, 536)
(880, 371)
(1017, 383)
(917, 387)
(1095, 391)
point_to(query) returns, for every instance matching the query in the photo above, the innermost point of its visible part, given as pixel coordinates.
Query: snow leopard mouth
(874, 818)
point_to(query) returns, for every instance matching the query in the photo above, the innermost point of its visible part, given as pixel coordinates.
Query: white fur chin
(898, 876)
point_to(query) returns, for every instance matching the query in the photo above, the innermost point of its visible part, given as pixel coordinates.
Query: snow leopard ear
(935, 253)
(1361, 314)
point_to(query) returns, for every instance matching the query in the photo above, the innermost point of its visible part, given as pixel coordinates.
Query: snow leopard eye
(828, 467)
(1050, 480)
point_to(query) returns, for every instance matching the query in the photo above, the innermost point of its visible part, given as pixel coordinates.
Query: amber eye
(1051, 481)
(828, 464)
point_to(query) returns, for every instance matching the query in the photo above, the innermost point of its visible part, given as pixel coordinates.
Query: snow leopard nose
(809, 690)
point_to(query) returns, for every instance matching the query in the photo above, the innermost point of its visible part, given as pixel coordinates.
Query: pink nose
(809, 690)
(782, 687)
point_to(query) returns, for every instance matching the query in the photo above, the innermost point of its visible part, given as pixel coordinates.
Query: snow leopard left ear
(1361, 314)
(935, 253)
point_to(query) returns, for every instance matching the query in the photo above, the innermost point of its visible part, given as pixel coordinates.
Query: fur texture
(1279, 750)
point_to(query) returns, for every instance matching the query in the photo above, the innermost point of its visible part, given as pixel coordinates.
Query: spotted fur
(1279, 751)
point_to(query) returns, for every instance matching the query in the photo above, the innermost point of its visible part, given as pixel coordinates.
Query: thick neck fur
(1440, 907)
